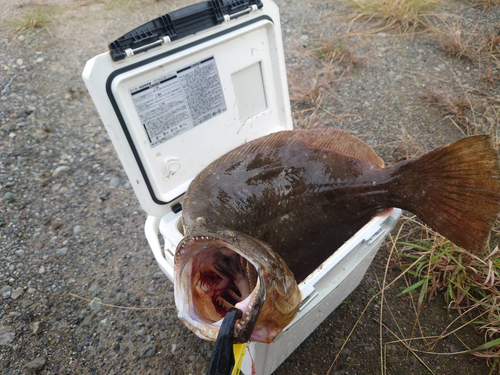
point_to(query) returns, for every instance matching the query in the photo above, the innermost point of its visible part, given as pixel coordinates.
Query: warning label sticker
(179, 101)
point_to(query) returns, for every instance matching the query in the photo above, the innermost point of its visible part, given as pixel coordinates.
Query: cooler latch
(180, 23)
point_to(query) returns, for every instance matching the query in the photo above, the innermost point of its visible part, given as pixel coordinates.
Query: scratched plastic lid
(175, 101)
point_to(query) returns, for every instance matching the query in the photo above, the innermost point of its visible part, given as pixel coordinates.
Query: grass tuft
(479, 45)
(310, 81)
(472, 111)
(404, 14)
(471, 283)
(35, 19)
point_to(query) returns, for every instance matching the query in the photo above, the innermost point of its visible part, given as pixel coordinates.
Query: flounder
(262, 217)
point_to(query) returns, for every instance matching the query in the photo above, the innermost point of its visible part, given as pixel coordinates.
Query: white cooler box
(182, 90)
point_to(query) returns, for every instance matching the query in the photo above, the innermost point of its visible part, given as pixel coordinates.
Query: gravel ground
(70, 222)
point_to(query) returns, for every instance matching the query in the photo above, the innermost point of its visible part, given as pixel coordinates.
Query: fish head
(216, 271)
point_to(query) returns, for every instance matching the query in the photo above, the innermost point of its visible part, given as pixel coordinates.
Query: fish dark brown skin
(288, 200)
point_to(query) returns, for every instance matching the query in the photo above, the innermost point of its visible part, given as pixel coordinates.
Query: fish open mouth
(214, 277)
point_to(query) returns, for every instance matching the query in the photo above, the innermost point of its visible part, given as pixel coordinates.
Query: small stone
(19, 253)
(114, 182)
(37, 328)
(35, 365)
(5, 289)
(148, 350)
(56, 187)
(19, 62)
(9, 197)
(116, 348)
(95, 305)
(103, 322)
(41, 270)
(174, 349)
(59, 171)
(31, 290)
(17, 293)
(20, 37)
(7, 335)
(63, 190)
(39, 60)
(44, 181)
(12, 135)
(151, 290)
(6, 294)
(93, 288)
(158, 275)
(77, 229)
(87, 321)
(25, 303)
(56, 225)
(62, 252)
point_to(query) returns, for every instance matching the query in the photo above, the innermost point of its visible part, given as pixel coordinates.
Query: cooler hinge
(180, 23)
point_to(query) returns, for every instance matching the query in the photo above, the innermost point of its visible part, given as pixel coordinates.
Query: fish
(262, 217)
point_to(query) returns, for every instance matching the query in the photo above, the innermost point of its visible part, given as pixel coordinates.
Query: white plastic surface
(248, 48)
(322, 291)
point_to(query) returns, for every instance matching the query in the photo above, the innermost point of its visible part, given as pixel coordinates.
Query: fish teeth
(224, 303)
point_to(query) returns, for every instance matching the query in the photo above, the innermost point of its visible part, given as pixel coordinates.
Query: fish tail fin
(454, 189)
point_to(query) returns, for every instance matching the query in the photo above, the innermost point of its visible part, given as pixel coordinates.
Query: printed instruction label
(179, 101)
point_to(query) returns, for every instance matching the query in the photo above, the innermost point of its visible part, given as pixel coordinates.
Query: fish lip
(243, 327)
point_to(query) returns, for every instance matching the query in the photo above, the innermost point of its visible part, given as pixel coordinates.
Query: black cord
(222, 361)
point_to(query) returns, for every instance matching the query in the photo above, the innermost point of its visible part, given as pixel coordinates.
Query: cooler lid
(182, 90)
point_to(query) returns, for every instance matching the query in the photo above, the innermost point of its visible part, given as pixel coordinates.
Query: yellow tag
(239, 352)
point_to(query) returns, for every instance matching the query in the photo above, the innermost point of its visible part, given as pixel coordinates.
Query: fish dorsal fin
(326, 139)
(341, 142)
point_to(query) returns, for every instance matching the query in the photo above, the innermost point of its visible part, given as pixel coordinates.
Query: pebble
(19, 253)
(95, 305)
(25, 303)
(94, 288)
(87, 321)
(7, 335)
(6, 294)
(17, 293)
(41, 270)
(62, 252)
(31, 290)
(35, 365)
(77, 229)
(59, 171)
(9, 197)
(56, 187)
(5, 289)
(114, 182)
(148, 350)
(19, 62)
(37, 328)
(174, 349)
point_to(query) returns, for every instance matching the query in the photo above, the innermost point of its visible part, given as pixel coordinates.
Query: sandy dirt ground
(70, 222)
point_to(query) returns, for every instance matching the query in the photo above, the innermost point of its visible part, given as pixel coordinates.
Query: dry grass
(311, 80)
(471, 283)
(432, 266)
(38, 18)
(471, 111)
(407, 15)
(480, 45)
(487, 3)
